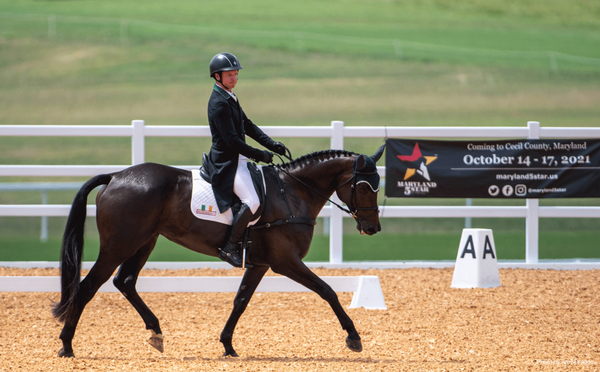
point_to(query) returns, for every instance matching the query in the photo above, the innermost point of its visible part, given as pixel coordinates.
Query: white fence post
(44, 232)
(137, 142)
(336, 225)
(532, 231)
(532, 221)
(468, 220)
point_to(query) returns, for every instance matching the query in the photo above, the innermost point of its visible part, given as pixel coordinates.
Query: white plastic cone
(368, 294)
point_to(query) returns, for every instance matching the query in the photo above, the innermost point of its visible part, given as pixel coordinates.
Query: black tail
(72, 248)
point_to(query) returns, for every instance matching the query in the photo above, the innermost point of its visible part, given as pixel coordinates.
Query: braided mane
(317, 156)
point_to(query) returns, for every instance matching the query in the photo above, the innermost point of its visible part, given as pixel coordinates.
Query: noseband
(354, 210)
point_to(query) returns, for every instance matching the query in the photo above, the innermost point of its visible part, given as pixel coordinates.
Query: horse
(139, 203)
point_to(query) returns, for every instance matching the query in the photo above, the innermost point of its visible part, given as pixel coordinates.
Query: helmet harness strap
(220, 80)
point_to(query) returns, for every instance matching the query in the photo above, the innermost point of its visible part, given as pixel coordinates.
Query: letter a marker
(476, 264)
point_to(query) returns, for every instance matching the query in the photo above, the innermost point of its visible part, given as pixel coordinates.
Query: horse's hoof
(231, 354)
(354, 345)
(156, 341)
(63, 354)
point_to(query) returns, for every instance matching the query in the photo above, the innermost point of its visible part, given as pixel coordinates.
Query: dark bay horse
(137, 204)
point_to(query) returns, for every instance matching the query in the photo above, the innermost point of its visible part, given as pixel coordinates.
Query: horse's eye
(363, 189)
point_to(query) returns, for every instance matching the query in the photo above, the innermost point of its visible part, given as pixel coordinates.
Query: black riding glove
(267, 157)
(279, 148)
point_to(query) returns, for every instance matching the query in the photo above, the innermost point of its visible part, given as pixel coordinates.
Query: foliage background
(392, 63)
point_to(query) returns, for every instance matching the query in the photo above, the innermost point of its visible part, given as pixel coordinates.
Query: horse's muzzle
(371, 230)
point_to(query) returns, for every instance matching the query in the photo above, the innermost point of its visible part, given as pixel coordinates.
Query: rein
(307, 221)
(316, 192)
(291, 218)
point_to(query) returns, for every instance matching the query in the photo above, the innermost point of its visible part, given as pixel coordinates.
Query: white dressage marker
(368, 294)
(366, 288)
(476, 263)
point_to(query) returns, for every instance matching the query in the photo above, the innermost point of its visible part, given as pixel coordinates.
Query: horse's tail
(72, 248)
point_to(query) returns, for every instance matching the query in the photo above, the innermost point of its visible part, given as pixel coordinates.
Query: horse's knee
(240, 303)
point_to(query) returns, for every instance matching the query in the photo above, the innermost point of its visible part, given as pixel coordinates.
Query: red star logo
(416, 155)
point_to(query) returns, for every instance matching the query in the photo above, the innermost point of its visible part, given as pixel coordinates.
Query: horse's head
(359, 191)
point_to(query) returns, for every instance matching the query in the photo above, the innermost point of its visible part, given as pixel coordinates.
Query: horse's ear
(378, 153)
(360, 163)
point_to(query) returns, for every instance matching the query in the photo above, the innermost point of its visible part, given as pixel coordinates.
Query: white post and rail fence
(138, 132)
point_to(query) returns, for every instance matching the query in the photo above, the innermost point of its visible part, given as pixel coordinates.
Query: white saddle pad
(204, 205)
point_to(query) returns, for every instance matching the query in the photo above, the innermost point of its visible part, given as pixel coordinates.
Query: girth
(247, 242)
(302, 221)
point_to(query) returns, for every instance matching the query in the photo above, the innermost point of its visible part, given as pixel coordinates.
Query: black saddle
(203, 171)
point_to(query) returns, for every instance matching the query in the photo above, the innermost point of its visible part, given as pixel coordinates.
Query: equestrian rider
(229, 153)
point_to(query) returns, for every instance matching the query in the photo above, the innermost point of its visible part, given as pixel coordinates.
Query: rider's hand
(279, 148)
(267, 157)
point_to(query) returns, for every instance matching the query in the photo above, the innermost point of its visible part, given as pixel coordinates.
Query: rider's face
(229, 78)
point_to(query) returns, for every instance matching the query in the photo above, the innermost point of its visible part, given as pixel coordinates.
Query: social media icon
(520, 190)
(493, 190)
(507, 190)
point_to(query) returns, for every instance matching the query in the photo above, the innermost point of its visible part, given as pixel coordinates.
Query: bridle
(353, 209)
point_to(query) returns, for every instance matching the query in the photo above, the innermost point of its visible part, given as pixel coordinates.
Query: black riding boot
(240, 222)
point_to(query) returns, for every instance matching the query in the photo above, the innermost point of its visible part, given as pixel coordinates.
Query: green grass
(306, 63)
(381, 247)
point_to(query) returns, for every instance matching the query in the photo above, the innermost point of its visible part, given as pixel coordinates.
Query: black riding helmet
(224, 62)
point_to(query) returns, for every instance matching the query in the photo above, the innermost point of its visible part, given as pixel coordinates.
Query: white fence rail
(138, 131)
(366, 288)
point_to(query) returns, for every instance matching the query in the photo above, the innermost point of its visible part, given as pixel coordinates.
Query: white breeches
(243, 186)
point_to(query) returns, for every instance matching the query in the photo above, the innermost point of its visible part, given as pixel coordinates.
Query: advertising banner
(549, 168)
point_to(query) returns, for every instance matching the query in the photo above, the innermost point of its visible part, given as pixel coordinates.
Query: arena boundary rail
(138, 131)
(366, 288)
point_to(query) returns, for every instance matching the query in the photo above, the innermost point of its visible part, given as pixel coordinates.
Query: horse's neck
(323, 178)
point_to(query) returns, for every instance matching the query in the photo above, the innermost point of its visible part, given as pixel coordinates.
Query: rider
(229, 153)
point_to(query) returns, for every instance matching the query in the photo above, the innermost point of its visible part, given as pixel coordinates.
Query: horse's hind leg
(125, 281)
(98, 275)
(298, 272)
(250, 281)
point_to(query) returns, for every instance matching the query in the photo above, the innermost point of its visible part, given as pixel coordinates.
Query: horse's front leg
(301, 274)
(250, 281)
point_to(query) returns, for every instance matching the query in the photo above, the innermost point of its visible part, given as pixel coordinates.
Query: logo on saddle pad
(208, 211)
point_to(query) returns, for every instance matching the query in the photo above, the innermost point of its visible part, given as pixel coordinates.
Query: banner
(549, 168)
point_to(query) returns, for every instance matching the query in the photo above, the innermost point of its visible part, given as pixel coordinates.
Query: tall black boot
(240, 222)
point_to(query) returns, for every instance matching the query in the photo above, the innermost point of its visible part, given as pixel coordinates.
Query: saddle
(202, 185)
(257, 181)
(203, 171)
